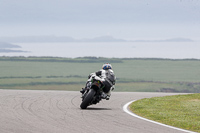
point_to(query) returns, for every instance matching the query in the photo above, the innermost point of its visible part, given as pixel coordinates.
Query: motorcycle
(93, 93)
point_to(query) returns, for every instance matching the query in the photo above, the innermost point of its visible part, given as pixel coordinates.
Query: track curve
(25, 111)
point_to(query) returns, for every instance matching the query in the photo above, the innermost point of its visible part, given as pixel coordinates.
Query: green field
(152, 75)
(181, 111)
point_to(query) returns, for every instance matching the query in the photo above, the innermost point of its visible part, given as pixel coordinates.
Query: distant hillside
(27, 39)
(5, 48)
(178, 40)
(4, 45)
(167, 40)
(10, 51)
(23, 39)
(103, 39)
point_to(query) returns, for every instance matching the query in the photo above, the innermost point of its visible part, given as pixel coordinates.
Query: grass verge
(182, 111)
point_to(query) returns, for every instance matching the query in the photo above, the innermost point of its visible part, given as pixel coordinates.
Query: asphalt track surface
(25, 111)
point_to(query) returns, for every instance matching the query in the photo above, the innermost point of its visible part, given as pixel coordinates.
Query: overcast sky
(127, 19)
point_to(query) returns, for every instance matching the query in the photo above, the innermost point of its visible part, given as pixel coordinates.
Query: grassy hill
(152, 75)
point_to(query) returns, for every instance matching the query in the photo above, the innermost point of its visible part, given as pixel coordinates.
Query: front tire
(88, 98)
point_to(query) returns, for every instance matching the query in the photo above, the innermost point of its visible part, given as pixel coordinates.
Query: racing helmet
(106, 66)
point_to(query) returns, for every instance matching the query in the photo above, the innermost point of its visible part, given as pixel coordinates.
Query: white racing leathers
(107, 77)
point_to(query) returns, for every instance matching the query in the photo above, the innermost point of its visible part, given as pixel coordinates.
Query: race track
(25, 111)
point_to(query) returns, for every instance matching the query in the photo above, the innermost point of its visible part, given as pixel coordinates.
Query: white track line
(125, 108)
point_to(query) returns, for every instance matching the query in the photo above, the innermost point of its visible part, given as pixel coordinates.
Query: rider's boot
(108, 95)
(83, 90)
(105, 96)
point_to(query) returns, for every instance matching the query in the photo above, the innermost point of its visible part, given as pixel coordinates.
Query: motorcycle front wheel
(88, 98)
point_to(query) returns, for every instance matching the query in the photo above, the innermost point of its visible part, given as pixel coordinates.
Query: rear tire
(88, 98)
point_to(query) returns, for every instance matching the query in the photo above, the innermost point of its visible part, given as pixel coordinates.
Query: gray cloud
(119, 16)
(97, 11)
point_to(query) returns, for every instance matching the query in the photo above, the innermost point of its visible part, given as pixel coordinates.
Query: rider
(108, 78)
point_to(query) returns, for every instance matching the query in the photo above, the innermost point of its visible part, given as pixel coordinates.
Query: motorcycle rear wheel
(88, 98)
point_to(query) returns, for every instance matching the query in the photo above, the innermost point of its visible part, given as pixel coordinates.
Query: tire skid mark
(17, 112)
(51, 115)
(58, 111)
(44, 116)
(72, 101)
(27, 107)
